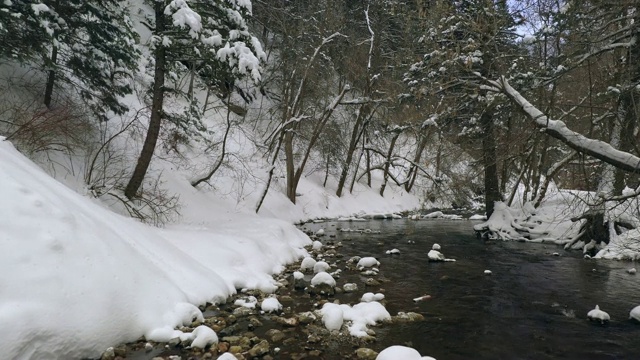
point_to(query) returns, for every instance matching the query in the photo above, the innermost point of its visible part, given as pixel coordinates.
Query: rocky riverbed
(296, 331)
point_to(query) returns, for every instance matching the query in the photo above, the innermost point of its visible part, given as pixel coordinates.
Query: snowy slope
(78, 278)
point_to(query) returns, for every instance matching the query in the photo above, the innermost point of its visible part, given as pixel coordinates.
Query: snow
(401, 352)
(323, 278)
(360, 316)
(321, 266)
(201, 337)
(227, 356)
(635, 313)
(308, 263)
(366, 262)
(249, 302)
(597, 314)
(435, 255)
(84, 278)
(317, 245)
(332, 316)
(392, 252)
(271, 304)
(369, 297)
(488, 272)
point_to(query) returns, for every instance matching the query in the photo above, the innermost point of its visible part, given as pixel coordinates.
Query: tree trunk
(156, 111)
(413, 172)
(387, 164)
(353, 143)
(489, 161)
(288, 153)
(51, 78)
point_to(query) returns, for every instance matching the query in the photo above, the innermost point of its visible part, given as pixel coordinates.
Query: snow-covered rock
(435, 255)
(598, 315)
(323, 278)
(478, 217)
(307, 263)
(321, 266)
(271, 304)
(488, 272)
(398, 352)
(366, 262)
(350, 287)
(332, 316)
(320, 232)
(227, 356)
(317, 245)
(392, 252)
(436, 247)
(635, 313)
(631, 271)
(248, 302)
(369, 297)
(201, 337)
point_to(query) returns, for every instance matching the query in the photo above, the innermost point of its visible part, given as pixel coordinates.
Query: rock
(148, 347)
(259, 349)
(306, 317)
(174, 342)
(275, 335)
(321, 289)
(632, 271)
(598, 315)
(366, 354)
(286, 300)
(243, 311)
(235, 349)
(403, 317)
(286, 321)
(120, 350)
(108, 354)
(350, 287)
(635, 313)
(242, 342)
(229, 330)
(371, 282)
(223, 347)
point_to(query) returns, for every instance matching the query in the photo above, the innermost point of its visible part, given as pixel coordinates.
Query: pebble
(366, 354)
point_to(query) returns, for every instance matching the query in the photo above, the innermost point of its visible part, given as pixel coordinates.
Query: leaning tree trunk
(387, 163)
(156, 111)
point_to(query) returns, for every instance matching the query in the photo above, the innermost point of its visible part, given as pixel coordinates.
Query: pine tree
(200, 34)
(87, 46)
(468, 40)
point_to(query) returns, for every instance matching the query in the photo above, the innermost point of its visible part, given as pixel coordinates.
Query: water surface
(524, 310)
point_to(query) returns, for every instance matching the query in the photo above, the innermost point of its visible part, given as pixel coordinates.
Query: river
(532, 306)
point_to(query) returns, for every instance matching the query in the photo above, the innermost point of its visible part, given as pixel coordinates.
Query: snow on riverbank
(79, 278)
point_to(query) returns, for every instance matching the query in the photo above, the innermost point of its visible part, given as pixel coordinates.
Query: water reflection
(533, 306)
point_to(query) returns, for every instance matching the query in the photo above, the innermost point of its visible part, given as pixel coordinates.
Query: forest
(459, 102)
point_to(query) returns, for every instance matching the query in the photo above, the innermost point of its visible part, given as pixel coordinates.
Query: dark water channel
(533, 306)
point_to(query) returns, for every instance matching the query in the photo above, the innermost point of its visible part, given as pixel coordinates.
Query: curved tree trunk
(156, 111)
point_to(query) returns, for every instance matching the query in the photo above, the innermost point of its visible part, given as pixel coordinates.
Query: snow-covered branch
(559, 130)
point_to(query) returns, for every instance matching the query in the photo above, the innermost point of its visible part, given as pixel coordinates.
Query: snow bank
(79, 278)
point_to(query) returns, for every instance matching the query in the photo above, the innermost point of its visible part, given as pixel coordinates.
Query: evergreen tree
(468, 40)
(188, 35)
(87, 45)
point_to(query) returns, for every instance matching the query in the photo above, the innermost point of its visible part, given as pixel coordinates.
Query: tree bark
(156, 110)
(489, 161)
(387, 164)
(51, 78)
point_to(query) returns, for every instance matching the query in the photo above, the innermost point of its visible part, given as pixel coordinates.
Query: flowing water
(533, 306)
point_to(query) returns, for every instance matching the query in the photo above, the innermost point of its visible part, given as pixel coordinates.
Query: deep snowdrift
(78, 278)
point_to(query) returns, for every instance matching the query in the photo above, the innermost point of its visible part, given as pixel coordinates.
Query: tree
(87, 45)
(468, 39)
(175, 25)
